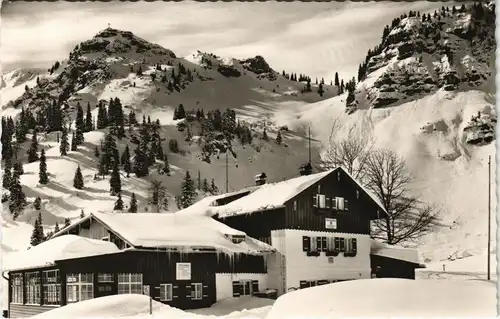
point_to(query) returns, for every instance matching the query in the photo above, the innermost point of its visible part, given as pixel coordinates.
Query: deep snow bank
(389, 298)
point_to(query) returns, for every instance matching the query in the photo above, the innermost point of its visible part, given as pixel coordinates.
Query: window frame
(196, 287)
(17, 288)
(81, 281)
(51, 289)
(31, 291)
(165, 289)
(105, 278)
(130, 283)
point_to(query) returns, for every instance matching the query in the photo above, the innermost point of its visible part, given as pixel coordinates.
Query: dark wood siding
(383, 267)
(301, 214)
(257, 225)
(23, 311)
(157, 268)
(241, 264)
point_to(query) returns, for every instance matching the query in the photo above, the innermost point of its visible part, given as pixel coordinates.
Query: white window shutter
(322, 200)
(315, 200)
(340, 203)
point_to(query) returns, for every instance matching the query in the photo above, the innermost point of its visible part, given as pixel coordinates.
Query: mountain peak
(113, 41)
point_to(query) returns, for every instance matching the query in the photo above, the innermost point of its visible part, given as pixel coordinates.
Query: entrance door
(246, 287)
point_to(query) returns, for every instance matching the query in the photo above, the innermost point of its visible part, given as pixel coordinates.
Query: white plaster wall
(299, 266)
(224, 283)
(276, 262)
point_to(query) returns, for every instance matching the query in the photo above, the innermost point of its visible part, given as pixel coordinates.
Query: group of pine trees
(173, 79)
(308, 88)
(12, 165)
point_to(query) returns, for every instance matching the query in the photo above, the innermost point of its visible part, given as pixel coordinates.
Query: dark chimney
(260, 179)
(306, 169)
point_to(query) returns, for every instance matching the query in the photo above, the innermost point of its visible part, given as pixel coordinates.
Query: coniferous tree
(119, 202)
(56, 228)
(133, 204)
(82, 214)
(7, 175)
(188, 192)
(89, 126)
(18, 168)
(74, 143)
(125, 161)
(166, 165)
(204, 186)
(67, 222)
(157, 194)
(78, 179)
(37, 235)
(64, 145)
(213, 188)
(79, 125)
(321, 91)
(279, 139)
(43, 178)
(17, 198)
(115, 184)
(33, 150)
(37, 203)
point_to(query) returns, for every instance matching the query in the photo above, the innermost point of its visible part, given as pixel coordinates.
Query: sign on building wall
(330, 223)
(183, 271)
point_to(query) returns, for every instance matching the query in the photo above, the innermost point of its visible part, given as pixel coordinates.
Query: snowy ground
(137, 307)
(379, 297)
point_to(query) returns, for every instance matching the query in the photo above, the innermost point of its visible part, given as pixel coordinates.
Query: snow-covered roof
(268, 196)
(59, 248)
(384, 250)
(167, 230)
(275, 195)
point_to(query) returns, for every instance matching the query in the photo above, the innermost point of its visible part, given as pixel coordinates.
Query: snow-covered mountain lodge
(306, 231)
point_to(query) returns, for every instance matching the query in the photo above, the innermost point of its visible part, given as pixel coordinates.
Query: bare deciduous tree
(158, 195)
(408, 218)
(349, 152)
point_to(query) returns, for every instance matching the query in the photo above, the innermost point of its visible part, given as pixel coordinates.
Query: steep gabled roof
(173, 230)
(275, 195)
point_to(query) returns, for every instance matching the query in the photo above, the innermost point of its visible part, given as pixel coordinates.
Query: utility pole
(227, 172)
(310, 145)
(489, 215)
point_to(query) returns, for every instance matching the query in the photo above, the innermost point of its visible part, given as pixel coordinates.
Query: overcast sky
(314, 38)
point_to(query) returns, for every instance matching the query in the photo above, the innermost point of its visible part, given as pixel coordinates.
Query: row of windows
(79, 287)
(332, 246)
(167, 291)
(336, 203)
(313, 283)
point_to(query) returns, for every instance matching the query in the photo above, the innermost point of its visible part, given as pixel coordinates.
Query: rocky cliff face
(452, 49)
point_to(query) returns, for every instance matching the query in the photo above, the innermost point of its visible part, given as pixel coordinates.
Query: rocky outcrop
(448, 50)
(228, 71)
(480, 129)
(256, 65)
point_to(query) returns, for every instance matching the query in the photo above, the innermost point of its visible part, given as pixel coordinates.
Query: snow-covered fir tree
(78, 179)
(43, 177)
(133, 204)
(188, 191)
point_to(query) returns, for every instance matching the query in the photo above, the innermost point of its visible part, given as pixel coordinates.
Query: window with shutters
(330, 247)
(196, 291)
(166, 292)
(350, 247)
(340, 204)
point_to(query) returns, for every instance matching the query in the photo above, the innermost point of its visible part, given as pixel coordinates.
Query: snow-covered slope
(445, 136)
